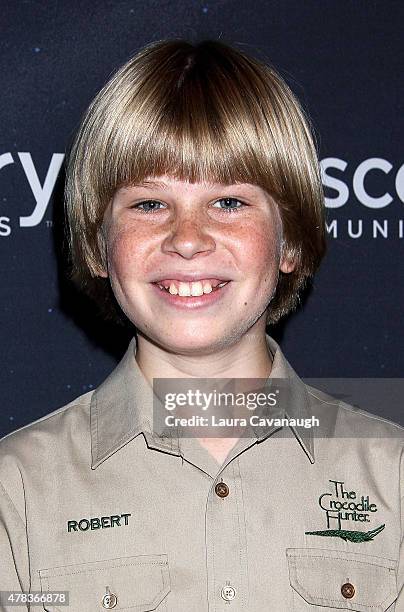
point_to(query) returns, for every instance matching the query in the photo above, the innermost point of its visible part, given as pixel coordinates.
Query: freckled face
(166, 228)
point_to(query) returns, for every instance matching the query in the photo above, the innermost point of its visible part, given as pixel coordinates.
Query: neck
(248, 357)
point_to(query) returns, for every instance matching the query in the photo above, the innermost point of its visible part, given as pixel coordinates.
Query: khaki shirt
(94, 503)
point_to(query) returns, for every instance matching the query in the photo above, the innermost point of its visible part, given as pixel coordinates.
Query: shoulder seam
(335, 403)
(11, 503)
(369, 415)
(45, 417)
(347, 407)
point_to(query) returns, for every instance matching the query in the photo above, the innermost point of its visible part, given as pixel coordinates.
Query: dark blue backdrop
(344, 60)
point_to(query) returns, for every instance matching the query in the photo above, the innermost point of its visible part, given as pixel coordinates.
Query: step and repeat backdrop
(344, 60)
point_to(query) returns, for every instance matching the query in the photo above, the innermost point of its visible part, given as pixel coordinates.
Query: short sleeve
(14, 565)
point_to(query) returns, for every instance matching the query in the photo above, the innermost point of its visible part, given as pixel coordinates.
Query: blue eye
(149, 204)
(228, 207)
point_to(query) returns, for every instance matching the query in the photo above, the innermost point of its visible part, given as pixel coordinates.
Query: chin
(195, 340)
(182, 341)
(191, 344)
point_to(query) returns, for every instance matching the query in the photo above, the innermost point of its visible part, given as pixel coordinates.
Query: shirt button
(348, 590)
(109, 600)
(221, 489)
(228, 593)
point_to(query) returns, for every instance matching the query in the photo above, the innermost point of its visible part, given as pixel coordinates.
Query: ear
(289, 259)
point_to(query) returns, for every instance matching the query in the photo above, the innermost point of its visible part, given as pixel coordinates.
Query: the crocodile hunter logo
(341, 505)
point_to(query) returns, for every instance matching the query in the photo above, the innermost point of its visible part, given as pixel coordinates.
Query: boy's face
(188, 234)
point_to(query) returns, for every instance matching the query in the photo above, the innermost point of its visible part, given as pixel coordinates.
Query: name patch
(103, 522)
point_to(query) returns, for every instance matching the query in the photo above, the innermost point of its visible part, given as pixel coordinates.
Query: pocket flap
(319, 576)
(139, 583)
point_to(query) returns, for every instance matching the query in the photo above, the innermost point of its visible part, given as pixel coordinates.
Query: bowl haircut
(197, 112)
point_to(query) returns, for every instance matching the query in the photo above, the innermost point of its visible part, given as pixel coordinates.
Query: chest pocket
(330, 579)
(139, 584)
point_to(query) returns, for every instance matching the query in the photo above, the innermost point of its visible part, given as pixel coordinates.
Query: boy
(195, 205)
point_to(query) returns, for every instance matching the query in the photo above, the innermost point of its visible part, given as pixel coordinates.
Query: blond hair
(196, 112)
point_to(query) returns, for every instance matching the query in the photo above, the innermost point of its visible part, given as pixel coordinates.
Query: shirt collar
(122, 407)
(297, 401)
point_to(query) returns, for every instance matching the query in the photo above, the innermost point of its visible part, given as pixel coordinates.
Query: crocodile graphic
(349, 536)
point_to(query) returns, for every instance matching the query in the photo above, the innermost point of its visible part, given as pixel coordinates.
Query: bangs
(203, 121)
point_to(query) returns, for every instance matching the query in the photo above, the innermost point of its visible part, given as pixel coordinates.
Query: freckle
(245, 303)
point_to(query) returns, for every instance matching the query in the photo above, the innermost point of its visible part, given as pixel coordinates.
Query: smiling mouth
(191, 289)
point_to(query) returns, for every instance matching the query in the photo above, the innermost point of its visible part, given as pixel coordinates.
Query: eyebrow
(150, 184)
(144, 184)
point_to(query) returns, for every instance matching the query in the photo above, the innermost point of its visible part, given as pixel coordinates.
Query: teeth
(196, 288)
(193, 289)
(184, 289)
(188, 289)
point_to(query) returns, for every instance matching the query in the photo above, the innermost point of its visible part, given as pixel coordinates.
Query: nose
(188, 237)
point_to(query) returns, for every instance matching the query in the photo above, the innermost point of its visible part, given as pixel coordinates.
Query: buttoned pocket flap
(136, 583)
(348, 581)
